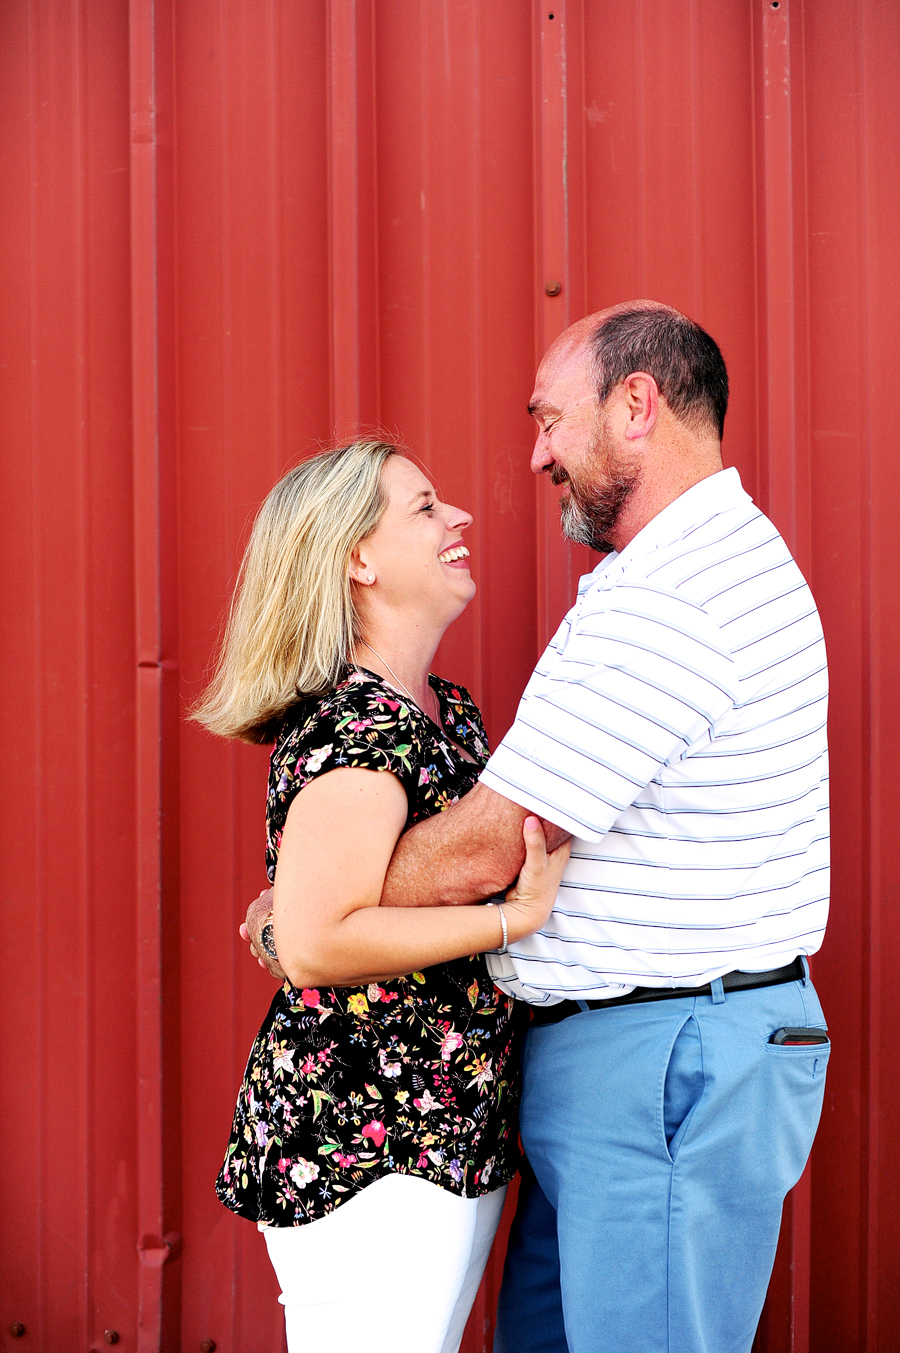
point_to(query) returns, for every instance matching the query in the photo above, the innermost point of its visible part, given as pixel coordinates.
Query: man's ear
(641, 398)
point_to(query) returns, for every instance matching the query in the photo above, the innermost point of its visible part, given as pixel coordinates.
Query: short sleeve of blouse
(361, 724)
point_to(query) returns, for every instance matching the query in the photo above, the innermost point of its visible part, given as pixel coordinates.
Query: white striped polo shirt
(676, 726)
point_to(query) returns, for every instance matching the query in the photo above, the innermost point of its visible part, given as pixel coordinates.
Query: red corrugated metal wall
(232, 228)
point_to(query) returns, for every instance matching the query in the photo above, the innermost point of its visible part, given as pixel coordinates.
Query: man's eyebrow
(541, 406)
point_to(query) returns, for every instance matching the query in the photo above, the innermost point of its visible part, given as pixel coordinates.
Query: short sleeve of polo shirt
(640, 678)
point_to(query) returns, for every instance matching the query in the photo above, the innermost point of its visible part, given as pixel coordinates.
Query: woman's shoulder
(355, 694)
(360, 722)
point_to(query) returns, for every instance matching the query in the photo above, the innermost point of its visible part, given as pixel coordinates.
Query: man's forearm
(468, 852)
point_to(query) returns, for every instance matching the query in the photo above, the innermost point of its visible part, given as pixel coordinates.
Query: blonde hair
(292, 622)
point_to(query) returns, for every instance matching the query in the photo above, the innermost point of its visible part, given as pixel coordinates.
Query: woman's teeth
(460, 552)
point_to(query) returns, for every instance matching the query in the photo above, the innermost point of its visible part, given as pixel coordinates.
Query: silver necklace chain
(403, 688)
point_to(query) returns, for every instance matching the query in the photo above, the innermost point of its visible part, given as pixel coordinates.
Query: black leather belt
(731, 981)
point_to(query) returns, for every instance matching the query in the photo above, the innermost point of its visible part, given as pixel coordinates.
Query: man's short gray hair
(680, 356)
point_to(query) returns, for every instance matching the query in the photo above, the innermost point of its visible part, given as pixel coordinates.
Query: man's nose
(541, 459)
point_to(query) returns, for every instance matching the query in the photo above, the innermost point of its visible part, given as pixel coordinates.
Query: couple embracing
(596, 937)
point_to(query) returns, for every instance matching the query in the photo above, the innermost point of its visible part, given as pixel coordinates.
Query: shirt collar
(719, 492)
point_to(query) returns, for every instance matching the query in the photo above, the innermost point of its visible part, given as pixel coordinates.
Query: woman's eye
(427, 507)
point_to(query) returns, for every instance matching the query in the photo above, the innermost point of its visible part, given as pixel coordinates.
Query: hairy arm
(335, 850)
(468, 852)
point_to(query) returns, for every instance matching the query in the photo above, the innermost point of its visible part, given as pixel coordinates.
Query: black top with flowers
(413, 1076)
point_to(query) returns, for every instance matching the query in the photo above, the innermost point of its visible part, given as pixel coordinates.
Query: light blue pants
(662, 1138)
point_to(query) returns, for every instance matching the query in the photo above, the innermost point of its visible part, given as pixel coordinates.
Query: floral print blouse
(418, 1075)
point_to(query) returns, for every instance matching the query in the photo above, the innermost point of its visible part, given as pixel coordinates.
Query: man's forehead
(565, 370)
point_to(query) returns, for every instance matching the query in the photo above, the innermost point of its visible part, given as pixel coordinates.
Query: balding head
(647, 336)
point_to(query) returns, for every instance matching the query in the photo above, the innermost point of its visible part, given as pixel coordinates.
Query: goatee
(590, 513)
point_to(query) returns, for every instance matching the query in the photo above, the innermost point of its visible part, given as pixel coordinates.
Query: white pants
(395, 1269)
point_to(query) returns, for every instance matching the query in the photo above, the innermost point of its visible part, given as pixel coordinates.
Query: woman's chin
(471, 597)
(464, 594)
(471, 590)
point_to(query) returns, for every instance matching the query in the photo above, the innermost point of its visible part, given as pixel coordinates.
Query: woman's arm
(340, 832)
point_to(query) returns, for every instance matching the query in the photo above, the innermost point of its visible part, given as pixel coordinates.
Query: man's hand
(257, 912)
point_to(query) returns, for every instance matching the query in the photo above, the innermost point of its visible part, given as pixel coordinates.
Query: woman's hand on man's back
(257, 912)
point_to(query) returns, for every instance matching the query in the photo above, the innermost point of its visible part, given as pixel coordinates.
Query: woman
(375, 1131)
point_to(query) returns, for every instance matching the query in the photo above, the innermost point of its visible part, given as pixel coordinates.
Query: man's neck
(653, 493)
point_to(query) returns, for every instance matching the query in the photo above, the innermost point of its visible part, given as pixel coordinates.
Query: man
(675, 726)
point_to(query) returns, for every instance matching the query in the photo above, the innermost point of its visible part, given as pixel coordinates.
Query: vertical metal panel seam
(696, 163)
(352, 192)
(351, 216)
(149, 1088)
(148, 1051)
(156, 728)
(341, 87)
(784, 450)
(783, 274)
(427, 259)
(44, 1294)
(565, 77)
(372, 115)
(482, 460)
(870, 750)
(276, 240)
(558, 258)
(227, 317)
(85, 742)
(578, 301)
(805, 483)
(538, 280)
(777, 271)
(640, 108)
(550, 261)
(756, 115)
(536, 185)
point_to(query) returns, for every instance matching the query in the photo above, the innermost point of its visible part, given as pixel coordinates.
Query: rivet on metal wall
(208, 1346)
(17, 1329)
(553, 288)
(110, 1336)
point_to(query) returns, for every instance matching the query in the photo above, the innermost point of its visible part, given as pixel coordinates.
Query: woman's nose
(457, 517)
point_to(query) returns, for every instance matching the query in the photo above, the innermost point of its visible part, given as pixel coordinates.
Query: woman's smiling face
(416, 553)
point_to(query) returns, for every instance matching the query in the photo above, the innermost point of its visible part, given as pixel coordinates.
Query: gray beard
(590, 514)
